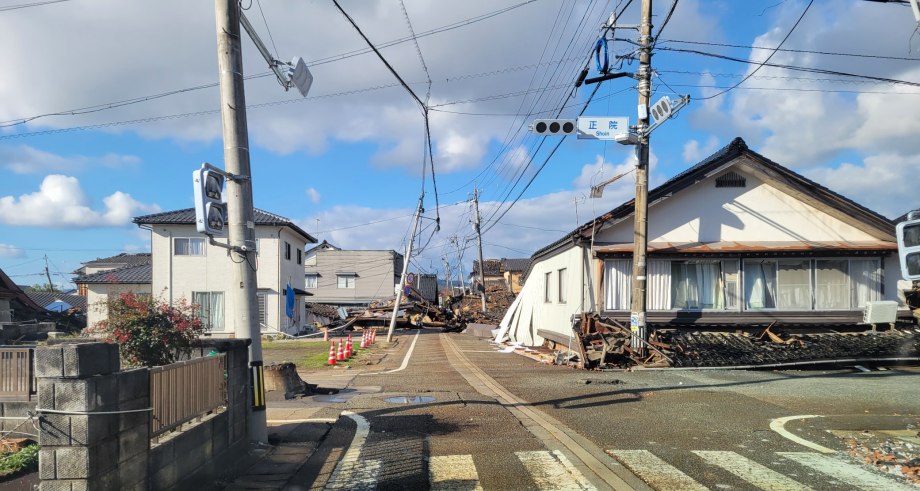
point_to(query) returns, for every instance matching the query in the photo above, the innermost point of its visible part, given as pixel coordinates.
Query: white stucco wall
(176, 277)
(757, 212)
(534, 313)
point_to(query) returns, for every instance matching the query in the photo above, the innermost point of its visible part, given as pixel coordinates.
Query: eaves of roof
(187, 217)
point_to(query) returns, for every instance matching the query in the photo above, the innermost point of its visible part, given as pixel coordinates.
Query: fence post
(89, 436)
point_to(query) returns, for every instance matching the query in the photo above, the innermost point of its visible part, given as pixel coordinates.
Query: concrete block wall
(12, 413)
(92, 438)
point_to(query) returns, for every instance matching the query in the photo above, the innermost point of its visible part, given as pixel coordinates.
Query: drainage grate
(409, 399)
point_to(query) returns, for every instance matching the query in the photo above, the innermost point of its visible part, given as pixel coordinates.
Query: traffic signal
(554, 127)
(210, 207)
(908, 233)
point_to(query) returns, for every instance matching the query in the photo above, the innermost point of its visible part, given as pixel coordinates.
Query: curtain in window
(865, 281)
(180, 247)
(760, 284)
(196, 247)
(618, 279)
(793, 290)
(202, 300)
(216, 316)
(731, 283)
(831, 285)
(696, 285)
(311, 281)
(659, 284)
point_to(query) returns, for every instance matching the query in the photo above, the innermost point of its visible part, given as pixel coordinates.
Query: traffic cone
(331, 361)
(373, 336)
(364, 340)
(348, 347)
(340, 356)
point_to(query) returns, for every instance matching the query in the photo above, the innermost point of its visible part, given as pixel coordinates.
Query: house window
(210, 309)
(547, 283)
(703, 284)
(346, 280)
(618, 282)
(287, 251)
(299, 256)
(561, 286)
(311, 280)
(261, 300)
(188, 246)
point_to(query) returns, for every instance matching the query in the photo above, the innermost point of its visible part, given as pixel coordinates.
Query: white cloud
(314, 195)
(23, 159)
(693, 152)
(8, 251)
(61, 202)
(883, 183)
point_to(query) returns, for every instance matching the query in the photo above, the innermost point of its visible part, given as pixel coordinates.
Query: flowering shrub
(150, 332)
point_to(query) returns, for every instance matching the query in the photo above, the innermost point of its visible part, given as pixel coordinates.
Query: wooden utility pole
(241, 222)
(48, 275)
(482, 265)
(637, 318)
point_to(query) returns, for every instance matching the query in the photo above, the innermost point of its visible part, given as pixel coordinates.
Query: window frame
(547, 287)
(188, 241)
(299, 256)
(346, 276)
(287, 250)
(206, 320)
(307, 277)
(560, 284)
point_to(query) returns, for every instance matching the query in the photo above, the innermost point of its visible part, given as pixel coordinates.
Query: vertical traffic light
(210, 207)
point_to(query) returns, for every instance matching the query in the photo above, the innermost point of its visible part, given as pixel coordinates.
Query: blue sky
(351, 154)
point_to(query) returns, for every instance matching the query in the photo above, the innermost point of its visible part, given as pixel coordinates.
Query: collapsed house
(736, 240)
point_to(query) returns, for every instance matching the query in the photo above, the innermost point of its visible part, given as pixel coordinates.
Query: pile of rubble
(892, 455)
(498, 299)
(414, 311)
(607, 343)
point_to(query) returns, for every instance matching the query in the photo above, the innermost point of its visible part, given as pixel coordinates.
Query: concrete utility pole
(456, 242)
(447, 275)
(402, 277)
(637, 321)
(48, 275)
(482, 265)
(241, 221)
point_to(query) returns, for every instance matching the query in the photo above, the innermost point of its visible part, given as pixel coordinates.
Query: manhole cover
(409, 399)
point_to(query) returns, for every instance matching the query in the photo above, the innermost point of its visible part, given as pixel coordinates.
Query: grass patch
(25, 460)
(310, 354)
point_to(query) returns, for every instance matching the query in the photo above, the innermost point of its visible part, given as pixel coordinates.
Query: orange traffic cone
(331, 361)
(373, 336)
(348, 347)
(364, 340)
(340, 356)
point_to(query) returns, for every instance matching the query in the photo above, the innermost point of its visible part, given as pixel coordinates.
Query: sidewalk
(297, 427)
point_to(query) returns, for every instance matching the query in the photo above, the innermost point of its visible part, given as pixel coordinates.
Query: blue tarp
(289, 301)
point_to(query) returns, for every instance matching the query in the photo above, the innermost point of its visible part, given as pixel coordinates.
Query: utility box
(880, 312)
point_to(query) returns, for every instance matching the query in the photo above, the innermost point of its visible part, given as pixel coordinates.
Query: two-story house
(101, 279)
(348, 277)
(186, 266)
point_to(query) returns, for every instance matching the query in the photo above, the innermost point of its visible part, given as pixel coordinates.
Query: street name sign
(601, 127)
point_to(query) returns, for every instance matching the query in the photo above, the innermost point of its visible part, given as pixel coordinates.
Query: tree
(41, 287)
(148, 331)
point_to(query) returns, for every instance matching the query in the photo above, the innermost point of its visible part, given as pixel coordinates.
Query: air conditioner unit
(881, 312)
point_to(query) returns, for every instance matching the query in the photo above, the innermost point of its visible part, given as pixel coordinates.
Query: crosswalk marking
(453, 473)
(552, 471)
(351, 472)
(751, 471)
(846, 472)
(656, 472)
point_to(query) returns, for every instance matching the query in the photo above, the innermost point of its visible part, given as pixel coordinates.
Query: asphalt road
(457, 414)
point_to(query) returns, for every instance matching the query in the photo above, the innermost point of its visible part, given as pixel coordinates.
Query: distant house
(735, 239)
(186, 266)
(58, 302)
(109, 263)
(502, 272)
(350, 277)
(102, 286)
(491, 275)
(15, 305)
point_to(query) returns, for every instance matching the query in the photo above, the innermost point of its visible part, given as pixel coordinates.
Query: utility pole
(48, 275)
(241, 227)
(447, 274)
(402, 277)
(482, 276)
(456, 242)
(637, 320)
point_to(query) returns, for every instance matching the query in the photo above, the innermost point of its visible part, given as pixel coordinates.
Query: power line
(761, 64)
(802, 51)
(28, 5)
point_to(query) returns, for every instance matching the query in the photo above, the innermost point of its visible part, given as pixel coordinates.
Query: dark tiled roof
(45, 299)
(9, 289)
(137, 274)
(515, 265)
(493, 267)
(322, 245)
(187, 216)
(117, 261)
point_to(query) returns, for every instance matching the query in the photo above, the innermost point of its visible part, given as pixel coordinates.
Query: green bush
(25, 460)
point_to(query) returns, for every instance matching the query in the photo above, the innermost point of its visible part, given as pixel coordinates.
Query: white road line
(846, 472)
(751, 471)
(298, 421)
(656, 472)
(551, 471)
(777, 425)
(453, 473)
(351, 472)
(405, 362)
